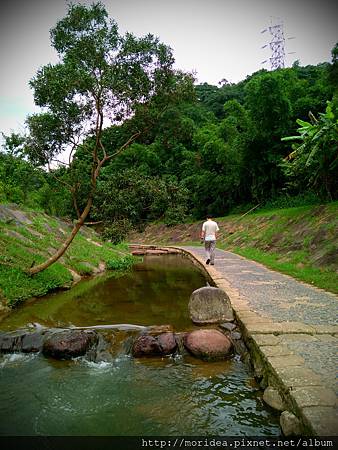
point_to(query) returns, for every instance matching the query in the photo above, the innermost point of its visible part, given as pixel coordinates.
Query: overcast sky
(215, 38)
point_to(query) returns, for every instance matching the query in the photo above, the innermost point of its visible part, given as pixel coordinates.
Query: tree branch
(128, 142)
(60, 162)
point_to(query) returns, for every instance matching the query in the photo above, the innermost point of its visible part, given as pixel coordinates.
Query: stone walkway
(294, 326)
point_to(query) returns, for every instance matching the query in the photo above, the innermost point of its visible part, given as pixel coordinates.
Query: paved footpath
(293, 327)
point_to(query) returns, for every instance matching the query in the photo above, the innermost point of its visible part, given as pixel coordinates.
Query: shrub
(122, 263)
(117, 231)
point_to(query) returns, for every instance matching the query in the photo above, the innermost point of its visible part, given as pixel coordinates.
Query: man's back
(210, 227)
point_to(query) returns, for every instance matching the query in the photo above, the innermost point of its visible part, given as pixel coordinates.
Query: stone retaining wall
(308, 406)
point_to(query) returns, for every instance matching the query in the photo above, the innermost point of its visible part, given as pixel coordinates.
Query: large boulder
(208, 344)
(210, 305)
(69, 343)
(160, 345)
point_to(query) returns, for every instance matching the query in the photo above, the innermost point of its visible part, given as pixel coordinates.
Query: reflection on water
(156, 292)
(127, 396)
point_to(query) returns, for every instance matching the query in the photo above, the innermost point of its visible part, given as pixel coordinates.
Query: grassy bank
(28, 237)
(301, 242)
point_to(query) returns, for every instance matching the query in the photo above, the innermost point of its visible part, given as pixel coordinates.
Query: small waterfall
(180, 345)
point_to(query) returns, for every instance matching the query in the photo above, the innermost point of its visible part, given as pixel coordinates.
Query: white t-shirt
(210, 227)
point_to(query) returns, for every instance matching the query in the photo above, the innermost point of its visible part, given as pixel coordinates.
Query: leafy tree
(213, 97)
(333, 70)
(216, 168)
(18, 179)
(307, 89)
(131, 198)
(24, 184)
(269, 111)
(268, 105)
(102, 78)
(314, 161)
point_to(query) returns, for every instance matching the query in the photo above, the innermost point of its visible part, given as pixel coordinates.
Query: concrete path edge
(302, 391)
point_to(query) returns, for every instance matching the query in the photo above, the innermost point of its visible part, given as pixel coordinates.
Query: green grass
(322, 278)
(17, 286)
(121, 263)
(188, 243)
(18, 255)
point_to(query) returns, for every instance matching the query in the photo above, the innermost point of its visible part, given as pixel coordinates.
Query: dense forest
(270, 139)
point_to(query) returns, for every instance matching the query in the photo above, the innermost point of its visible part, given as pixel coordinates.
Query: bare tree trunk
(36, 269)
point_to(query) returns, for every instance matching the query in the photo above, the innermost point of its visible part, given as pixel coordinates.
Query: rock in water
(11, 342)
(147, 345)
(208, 344)
(227, 326)
(210, 305)
(272, 398)
(32, 342)
(290, 424)
(167, 342)
(68, 344)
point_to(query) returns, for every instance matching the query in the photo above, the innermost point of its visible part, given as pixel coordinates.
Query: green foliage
(314, 162)
(175, 214)
(236, 159)
(269, 106)
(213, 97)
(117, 230)
(214, 150)
(286, 201)
(130, 199)
(124, 263)
(19, 181)
(333, 70)
(102, 75)
(24, 184)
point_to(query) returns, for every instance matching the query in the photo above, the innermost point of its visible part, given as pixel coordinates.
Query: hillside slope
(302, 242)
(28, 237)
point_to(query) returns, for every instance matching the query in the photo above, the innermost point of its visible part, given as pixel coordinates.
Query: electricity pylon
(276, 44)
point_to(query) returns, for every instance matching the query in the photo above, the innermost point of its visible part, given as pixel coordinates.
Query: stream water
(127, 396)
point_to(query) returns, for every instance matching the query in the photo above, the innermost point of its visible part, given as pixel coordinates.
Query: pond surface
(127, 396)
(155, 292)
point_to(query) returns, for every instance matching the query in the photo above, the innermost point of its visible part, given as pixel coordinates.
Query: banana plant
(315, 157)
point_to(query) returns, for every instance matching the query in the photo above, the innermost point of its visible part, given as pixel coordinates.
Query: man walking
(208, 234)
